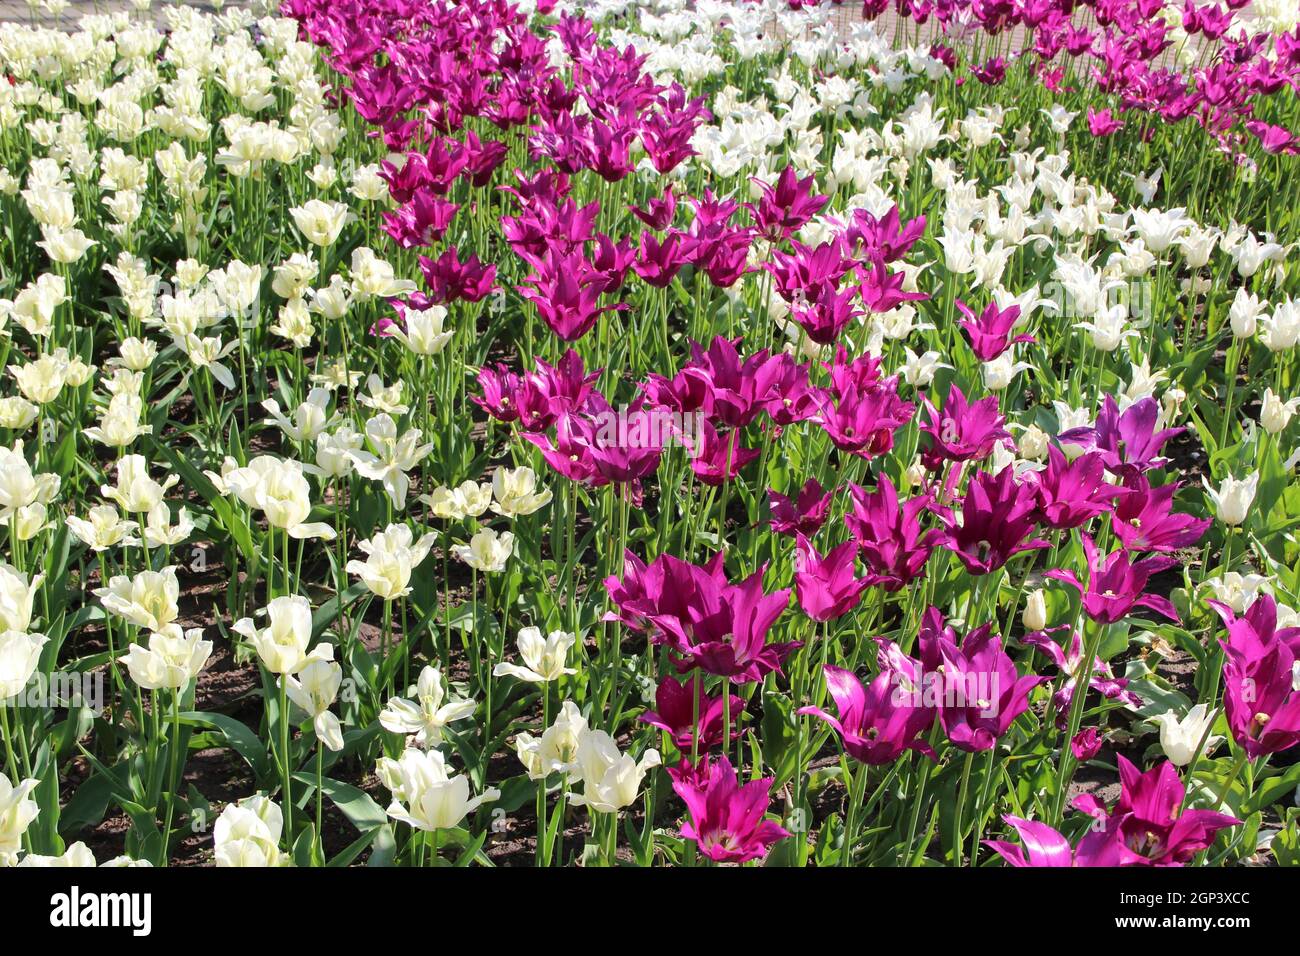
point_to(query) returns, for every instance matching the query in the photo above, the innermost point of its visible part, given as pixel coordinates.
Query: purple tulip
(727, 817)
(1116, 584)
(826, 587)
(997, 522)
(1153, 827)
(805, 514)
(876, 725)
(676, 706)
(890, 539)
(1044, 846)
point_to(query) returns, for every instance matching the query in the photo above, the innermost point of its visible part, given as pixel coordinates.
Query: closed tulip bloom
(556, 750)
(172, 658)
(282, 644)
(247, 834)
(19, 487)
(427, 715)
(1275, 414)
(1243, 314)
(544, 657)
(334, 452)
(610, 779)
(487, 550)
(17, 811)
(148, 600)
(515, 492)
(1180, 737)
(391, 556)
(1035, 613)
(313, 691)
(20, 654)
(16, 597)
(320, 222)
(77, 856)
(278, 488)
(1233, 497)
(135, 492)
(425, 796)
(422, 331)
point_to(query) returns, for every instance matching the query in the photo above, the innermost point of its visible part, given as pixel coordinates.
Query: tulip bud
(1035, 615)
(1275, 414)
(1033, 443)
(1233, 498)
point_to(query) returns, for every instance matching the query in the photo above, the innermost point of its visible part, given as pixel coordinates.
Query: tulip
(390, 456)
(890, 539)
(997, 520)
(313, 691)
(425, 795)
(279, 490)
(1071, 664)
(247, 834)
(148, 600)
(556, 750)
(805, 514)
(1086, 744)
(282, 644)
(1070, 493)
(515, 492)
(726, 817)
(876, 723)
(826, 587)
(962, 431)
(983, 693)
(1144, 519)
(1129, 441)
(1116, 584)
(679, 705)
(1180, 738)
(610, 779)
(426, 716)
(135, 492)
(544, 658)
(391, 556)
(1233, 498)
(487, 551)
(1154, 828)
(16, 597)
(172, 659)
(17, 811)
(1043, 846)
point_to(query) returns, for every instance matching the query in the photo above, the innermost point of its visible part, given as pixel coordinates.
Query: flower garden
(659, 433)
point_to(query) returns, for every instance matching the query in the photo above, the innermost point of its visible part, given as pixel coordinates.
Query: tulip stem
(961, 805)
(285, 768)
(981, 806)
(857, 790)
(1066, 766)
(1233, 774)
(173, 754)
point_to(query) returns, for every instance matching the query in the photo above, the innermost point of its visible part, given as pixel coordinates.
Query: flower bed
(607, 434)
